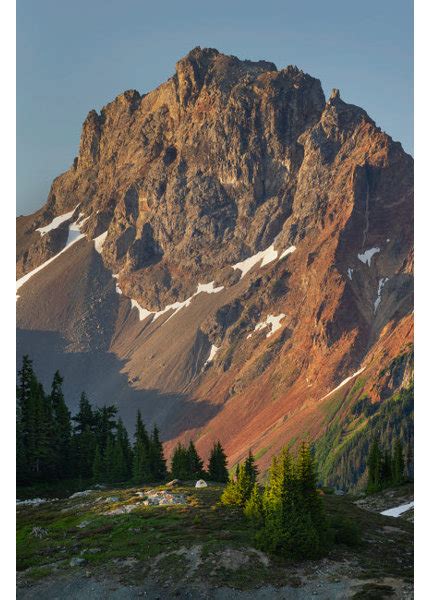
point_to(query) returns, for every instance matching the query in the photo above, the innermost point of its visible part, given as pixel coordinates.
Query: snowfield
(368, 255)
(56, 222)
(397, 510)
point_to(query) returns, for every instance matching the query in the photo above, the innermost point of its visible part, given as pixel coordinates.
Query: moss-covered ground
(200, 540)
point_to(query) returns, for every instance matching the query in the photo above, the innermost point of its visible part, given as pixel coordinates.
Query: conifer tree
(108, 459)
(104, 425)
(156, 457)
(122, 439)
(398, 464)
(238, 491)
(293, 519)
(253, 509)
(62, 428)
(85, 416)
(195, 463)
(307, 475)
(217, 464)
(180, 463)
(84, 438)
(374, 464)
(98, 466)
(119, 468)
(141, 469)
(251, 468)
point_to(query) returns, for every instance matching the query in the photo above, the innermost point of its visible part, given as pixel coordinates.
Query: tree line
(94, 444)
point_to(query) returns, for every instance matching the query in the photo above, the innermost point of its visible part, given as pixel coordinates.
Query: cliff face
(261, 242)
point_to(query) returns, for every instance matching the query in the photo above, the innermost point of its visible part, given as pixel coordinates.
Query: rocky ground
(113, 543)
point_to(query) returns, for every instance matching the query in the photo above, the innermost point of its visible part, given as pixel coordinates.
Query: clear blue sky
(78, 55)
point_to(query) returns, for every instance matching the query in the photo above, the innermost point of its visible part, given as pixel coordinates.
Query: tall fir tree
(195, 463)
(98, 467)
(217, 464)
(62, 428)
(398, 464)
(84, 438)
(141, 469)
(180, 463)
(157, 458)
(374, 464)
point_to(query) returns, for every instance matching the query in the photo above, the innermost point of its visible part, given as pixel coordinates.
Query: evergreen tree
(398, 464)
(104, 425)
(84, 439)
(251, 468)
(141, 469)
(62, 428)
(293, 518)
(122, 439)
(26, 416)
(217, 464)
(307, 475)
(195, 463)
(156, 457)
(409, 466)
(180, 463)
(253, 509)
(119, 468)
(374, 465)
(386, 469)
(239, 490)
(98, 468)
(109, 458)
(85, 416)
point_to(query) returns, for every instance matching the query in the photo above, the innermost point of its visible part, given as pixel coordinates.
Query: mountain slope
(233, 248)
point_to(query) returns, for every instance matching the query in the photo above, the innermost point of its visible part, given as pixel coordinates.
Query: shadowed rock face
(226, 159)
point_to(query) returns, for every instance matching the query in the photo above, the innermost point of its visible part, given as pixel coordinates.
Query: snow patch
(274, 321)
(74, 236)
(117, 287)
(213, 352)
(350, 273)
(368, 255)
(382, 282)
(143, 312)
(264, 257)
(56, 222)
(207, 288)
(99, 241)
(397, 510)
(287, 251)
(343, 383)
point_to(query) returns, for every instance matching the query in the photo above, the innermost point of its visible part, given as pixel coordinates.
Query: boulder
(173, 483)
(201, 483)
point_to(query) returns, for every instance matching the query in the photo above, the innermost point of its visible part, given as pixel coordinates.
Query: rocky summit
(231, 253)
